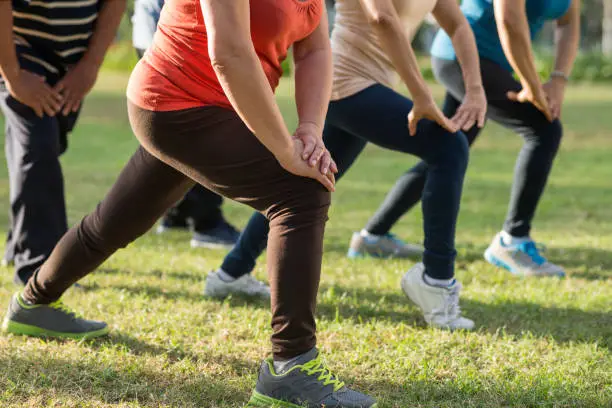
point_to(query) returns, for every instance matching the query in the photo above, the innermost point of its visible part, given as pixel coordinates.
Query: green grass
(538, 343)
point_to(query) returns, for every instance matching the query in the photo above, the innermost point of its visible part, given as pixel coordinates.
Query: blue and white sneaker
(382, 246)
(522, 259)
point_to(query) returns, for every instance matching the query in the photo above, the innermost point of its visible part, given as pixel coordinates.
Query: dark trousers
(200, 204)
(213, 147)
(378, 115)
(534, 163)
(37, 214)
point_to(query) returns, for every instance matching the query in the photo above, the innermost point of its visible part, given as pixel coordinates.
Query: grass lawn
(538, 343)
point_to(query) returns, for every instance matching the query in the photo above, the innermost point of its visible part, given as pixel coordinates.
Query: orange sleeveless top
(176, 72)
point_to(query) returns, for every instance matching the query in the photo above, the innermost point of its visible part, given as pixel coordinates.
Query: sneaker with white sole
(309, 383)
(382, 246)
(440, 305)
(523, 259)
(245, 285)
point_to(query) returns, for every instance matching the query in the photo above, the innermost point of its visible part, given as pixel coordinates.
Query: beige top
(359, 61)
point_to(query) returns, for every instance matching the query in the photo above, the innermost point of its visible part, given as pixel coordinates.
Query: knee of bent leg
(453, 151)
(553, 134)
(306, 203)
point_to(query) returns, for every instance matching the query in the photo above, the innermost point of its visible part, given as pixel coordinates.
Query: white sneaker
(523, 259)
(440, 305)
(245, 285)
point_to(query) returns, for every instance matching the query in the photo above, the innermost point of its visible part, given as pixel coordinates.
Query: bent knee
(307, 200)
(452, 150)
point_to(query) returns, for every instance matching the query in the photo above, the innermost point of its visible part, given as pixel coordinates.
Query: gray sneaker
(523, 259)
(309, 384)
(52, 320)
(383, 246)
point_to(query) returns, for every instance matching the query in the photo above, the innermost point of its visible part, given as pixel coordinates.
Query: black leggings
(542, 140)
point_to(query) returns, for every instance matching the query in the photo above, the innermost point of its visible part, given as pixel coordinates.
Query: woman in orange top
(201, 104)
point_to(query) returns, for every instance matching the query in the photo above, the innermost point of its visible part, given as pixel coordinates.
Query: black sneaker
(172, 222)
(222, 236)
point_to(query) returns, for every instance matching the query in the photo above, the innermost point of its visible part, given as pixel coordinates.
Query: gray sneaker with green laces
(309, 383)
(52, 320)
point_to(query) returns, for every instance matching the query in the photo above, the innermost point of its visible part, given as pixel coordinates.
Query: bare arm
(450, 18)
(567, 39)
(313, 76)
(513, 29)
(244, 82)
(9, 66)
(240, 72)
(313, 82)
(474, 107)
(385, 21)
(105, 31)
(81, 78)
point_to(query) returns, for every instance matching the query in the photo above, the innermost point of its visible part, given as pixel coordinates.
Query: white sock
(366, 234)
(511, 240)
(441, 283)
(224, 276)
(282, 366)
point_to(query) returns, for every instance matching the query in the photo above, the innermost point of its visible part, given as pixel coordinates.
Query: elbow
(380, 19)
(224, 55)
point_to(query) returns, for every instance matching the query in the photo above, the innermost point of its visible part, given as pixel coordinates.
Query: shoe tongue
(283, 366)
(306, 357)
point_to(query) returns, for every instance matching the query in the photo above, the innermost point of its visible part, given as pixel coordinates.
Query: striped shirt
(51, 35)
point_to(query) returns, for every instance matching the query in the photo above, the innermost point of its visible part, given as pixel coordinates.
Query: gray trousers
(37, 216)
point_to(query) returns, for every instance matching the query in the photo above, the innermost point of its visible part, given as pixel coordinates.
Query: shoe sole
(261, 401)
(9, 326)
(209, 245)
(493, 260)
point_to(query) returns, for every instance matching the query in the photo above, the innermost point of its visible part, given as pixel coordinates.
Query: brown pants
(213, 147)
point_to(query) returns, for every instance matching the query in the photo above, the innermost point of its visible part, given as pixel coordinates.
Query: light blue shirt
(480, 15)
(144, 22)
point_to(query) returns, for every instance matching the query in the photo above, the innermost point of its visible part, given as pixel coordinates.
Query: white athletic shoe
(440, 305)
(245, 285)
(523, 259)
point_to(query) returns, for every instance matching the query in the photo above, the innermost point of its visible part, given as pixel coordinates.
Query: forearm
(108, 21)
(9, 65)
(313, 82)
(467, 54)
(249, 92)
(516, 43)
(567, 38)
(396, 45)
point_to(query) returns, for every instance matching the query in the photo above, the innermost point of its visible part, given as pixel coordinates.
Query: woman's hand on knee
(293, 162)
(472, 111)
(315, 152)
(427, 109)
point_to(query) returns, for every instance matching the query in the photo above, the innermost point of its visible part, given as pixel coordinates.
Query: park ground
(537, 343)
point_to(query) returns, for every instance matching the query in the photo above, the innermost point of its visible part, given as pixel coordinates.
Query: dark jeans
(378, 115)
(542, 139)
(213, 147)
(37, 214)
(199, 204)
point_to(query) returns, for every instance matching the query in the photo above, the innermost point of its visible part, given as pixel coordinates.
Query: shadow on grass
(91, 380)
(483, 392)
(515, 318)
